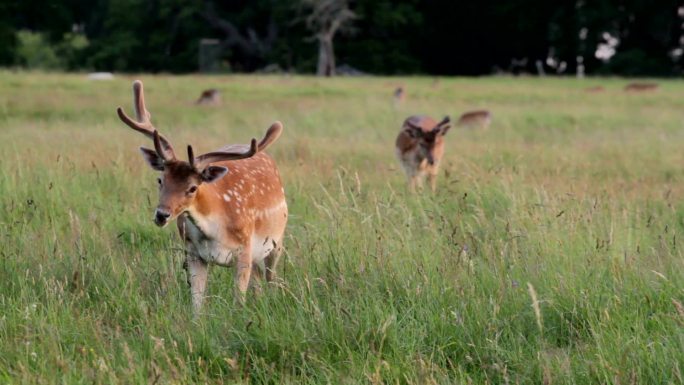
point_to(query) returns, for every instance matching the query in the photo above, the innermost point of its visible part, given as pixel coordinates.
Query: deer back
(478, 117)
(246, 196)
(638, 87)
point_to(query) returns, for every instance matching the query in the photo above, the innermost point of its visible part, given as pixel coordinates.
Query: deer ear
(213, 173)
(152, 158)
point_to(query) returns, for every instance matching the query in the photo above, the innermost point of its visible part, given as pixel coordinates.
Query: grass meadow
(552, 252)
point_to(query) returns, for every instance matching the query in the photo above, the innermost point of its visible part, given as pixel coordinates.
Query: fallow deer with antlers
(229, 205)
(420, 147)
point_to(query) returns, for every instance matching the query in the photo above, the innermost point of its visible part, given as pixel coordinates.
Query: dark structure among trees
(444, 37)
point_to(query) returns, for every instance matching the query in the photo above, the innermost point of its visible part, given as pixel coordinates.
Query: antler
(439, 125)
(201, 161)
(143, 124)
(191, 156)
(219, 156)
(271, 135)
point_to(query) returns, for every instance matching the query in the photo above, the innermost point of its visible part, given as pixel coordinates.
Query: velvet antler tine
(220, 156)
(271, 135)
(142, 122)
(141, 112)
(441, 124)
(444, 121)
(191, 156)
(158, 146)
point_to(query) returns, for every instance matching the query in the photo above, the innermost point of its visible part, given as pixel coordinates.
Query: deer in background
(640, 87)
(594, 89)
(420, 147)
(399, 95)
(229, 204)
(210, 97)
(480, 118)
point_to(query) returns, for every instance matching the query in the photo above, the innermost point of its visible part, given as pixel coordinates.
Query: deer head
(427, 140)
(181, 182)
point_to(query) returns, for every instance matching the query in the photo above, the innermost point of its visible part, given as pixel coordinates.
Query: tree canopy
(440, 37)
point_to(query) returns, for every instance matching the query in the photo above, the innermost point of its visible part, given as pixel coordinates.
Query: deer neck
(202, 211)
(204, 201)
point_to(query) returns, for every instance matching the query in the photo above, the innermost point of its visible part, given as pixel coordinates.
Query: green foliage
(551, 252)
(389, 37)
(388, 30)
(35, 52)
(71, 49)
(7, 42)
(636, 62)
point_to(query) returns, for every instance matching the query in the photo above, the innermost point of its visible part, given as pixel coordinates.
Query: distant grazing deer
(640, 87)
(399, 95)
(420, 147)
(211, 97)
(480, 118)
(229, 204)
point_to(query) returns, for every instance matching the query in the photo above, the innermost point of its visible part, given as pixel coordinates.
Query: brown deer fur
(211, 97)
(479, 118)
(229, 205)
(420, 147)
(640, 87)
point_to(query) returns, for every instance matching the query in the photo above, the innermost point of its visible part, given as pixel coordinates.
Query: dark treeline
(441, 37)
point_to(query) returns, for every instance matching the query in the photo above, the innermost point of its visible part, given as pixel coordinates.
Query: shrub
(35, 52)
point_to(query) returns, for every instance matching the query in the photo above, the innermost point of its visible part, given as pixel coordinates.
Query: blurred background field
(551, 252)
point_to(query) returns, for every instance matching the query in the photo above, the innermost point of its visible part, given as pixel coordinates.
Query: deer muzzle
(161, 216)
(430, 159)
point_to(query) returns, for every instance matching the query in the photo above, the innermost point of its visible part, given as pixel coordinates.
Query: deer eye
(192, 189)
(159, 181)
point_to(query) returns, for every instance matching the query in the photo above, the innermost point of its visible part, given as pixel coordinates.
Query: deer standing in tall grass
(420, 147)
(229, 205)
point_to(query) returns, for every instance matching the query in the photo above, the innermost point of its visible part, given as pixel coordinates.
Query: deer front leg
(244, 271)
(433, 181)
(412, 183)
(197, 278)
(416, 183)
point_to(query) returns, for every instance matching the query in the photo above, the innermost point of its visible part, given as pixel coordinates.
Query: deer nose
(161, 216)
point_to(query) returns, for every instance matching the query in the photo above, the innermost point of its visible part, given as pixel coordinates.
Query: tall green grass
(551, 253)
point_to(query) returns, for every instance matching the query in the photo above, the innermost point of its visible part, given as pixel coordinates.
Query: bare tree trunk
(327, 18)
(322, 57)
(332, 71)
(326, 57)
